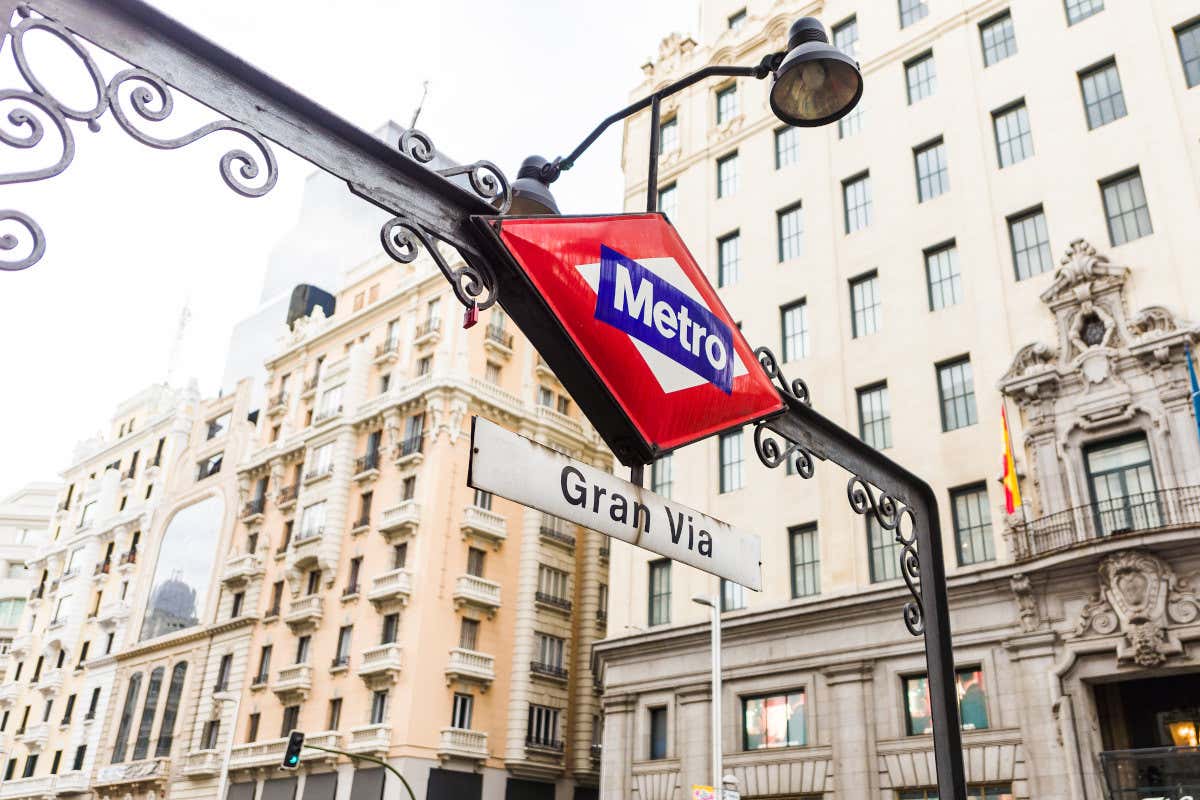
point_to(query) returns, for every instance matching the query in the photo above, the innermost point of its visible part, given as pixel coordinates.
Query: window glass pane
(1188, 39)
(851, 123)
(658, 733)
(999, 39)
(668, 135)
(181, 576)
(794, 321)
(933, 178)
(856, 198)
(787, 146)
(773, 721)
(945, 282)
(727, 175)
(733, 596)
(866, 306)
(660, 592)
(884, 552)
(875, 416)
(845, 37)
(1124, 490)
(806, 561)
(166, 729)
(141, 746)
(668, 201)
(972, 703)
(957, 388)
(1082, 9)
(731, 461)
(729, 259)
(912, 11)
(921, 77)
(972, 525)
(727, 104)
(662, 478)
(790, 223)
(1014, 142)
(1030, 244)
(1102, 97)
(1126, 209)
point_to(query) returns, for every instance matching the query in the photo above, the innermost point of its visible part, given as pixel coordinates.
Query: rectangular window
(776, 720)
(921, 77)
(883, 552)
(660, 592)
(998, 38)
(787, 146)
(252, 727)
(972, 703)
(379, 707)
(424, 365)
(852, 123)
(662, 476)
(942, 276)
(727, 175)
(312, 521)
(733, 596)
(302, 645)
(658, 733)
(276, 597)
(997, 791)
(933, 177)
(542, 729)
(77, 762)
(223, 669)
(789, 226)
(30, 765)
(845, 37)
(342, 658)
(235, 610)
(209, 466)
(468, 634)
(93, 703)
(1030, 243)
(912, 11)
(737, 20)
(408, 488)
(219, 425)
(972, 524)
(549, 651)
(208, 739)
(1014, 141)
(794, 324)
(731, 461)
(956, 387)
(875, 416)
(727, 103)
(668, 135)
(1187, 37)
(1123, 488)
(553, 584)
(806, 560)
(856, 199)
(1125, 207)
(314, 579)
(866, 307)
(475, 561)
(291, 720)
(1078, 10)
(460, 716)
(668, 201)
(729, 258)
(1103, 99)
(334, 716)
(391, 625)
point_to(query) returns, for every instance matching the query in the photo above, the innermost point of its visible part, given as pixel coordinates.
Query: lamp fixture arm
(769, 63)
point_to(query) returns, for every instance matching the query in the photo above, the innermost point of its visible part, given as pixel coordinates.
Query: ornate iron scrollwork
(485, 178)
(890, 514)
(797, 389)
(151, 99)
(770, 452)
(401, 239)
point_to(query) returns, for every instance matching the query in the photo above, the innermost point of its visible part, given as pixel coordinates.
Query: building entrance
(1150, 730)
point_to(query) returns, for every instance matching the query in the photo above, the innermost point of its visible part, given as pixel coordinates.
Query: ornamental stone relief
(1141, 597)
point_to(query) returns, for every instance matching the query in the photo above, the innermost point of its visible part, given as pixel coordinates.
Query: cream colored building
(24, 515)
(1009, 217)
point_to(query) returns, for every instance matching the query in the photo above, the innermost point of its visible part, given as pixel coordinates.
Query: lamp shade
(530, 194)
(816, 83)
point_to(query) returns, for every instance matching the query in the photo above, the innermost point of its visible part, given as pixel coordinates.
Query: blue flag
(1195, 386)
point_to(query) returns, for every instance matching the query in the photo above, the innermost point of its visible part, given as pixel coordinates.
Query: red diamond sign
(634, 302)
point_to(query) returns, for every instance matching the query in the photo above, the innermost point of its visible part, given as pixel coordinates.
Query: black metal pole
(652, 172)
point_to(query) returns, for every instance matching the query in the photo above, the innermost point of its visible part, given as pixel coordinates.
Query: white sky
(132, 232)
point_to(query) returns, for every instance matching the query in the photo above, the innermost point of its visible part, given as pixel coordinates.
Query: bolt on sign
(531, 474)
(644, 320)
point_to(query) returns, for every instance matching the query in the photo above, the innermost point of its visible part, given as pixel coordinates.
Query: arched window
(131, 696)
(166, 731)
(142, 745)
(184, 569)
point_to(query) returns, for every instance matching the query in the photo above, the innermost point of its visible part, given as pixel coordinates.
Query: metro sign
(637, 307)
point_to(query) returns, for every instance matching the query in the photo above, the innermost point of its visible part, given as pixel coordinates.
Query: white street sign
(528, 473)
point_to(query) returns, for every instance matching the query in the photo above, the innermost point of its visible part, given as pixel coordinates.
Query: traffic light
(291, 756)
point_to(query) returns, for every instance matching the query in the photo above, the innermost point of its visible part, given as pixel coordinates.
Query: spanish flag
(1012, 487)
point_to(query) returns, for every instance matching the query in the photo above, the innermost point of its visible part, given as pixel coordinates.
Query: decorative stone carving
(1152, 322)
(1026, 603)
(1141, 596)
(1030, 359)
(1080, 266)
(1092, 327)
(458, 411)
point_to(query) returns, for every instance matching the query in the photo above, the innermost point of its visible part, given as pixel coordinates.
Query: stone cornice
(849, 672)
(184, 638)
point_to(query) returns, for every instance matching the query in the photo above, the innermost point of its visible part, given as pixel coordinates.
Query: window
(668, 135)
(998, 38)
(355, 569)
(921, 77)
(475, 561)
(122, 740)
(1125, 207)
(776, 720)
(385, 383)
(235, 609)
(942, 276)
(85, 516)
(1030, 243)
(845, 37)
(424, 365)
(223, 670)
(972, 524)
(866, 307)
(166, 729)
(54, 763)
(276, 597)
(219, 425)
(794, 324)
(727, 103)
(1014, 142)
(553, 584)
(1121, 478)
(408, 488)
(883, 551)
(733, 596)
(602, 602)
(658, 733)
(391, 625)
(545, 397)
(737, 20)
(333, 714)
(806, 560)
(93, 704)
(875, 416)
(662, 476)
(1078, 10)
(972, 702)
(856, 197)
(668, 201)
(727, 175)
(460, 715)
(10, 770)
(379, 707)
(60, 610)
(549, 651)
(564, 405)
(312, 521)
(302, 646)
(1188, 39)
(542, 729)
(912, 11)
(660, 592)
(999, 791)
(314, 580)
(209, 466)
(790, 231)
(1102, 97)
(291, 720)
(77, 762)
(729, 258)
(252, 727)
(730, 447)
(787, 146)
(342, 658)
(141, 745)
(30, 765)
(492, 373)
(933, 178)
(852, 123)
(956, 387)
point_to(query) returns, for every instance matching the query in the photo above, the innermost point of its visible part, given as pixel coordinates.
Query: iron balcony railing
(544, 743)
(386, 348)
(255, 506)
(103, 567)
(278, 400)
(129, 556)
(286, 495)
(553, 600)
(552, 670)
(1134, 513)
(498, 335)
(411, 445)
(368, 462)
(311, 383)
(431, 325)
(1169, 772)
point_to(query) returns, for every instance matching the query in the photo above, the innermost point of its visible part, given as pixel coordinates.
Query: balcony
(400, 520)
(484, 523)
(370, 739)
(478, 592)
(103, 568)
(35, 736)
(552, 746)
(428, 332)
(252, 512)
(498, 340)
(387, 352)
(557, 532)
(21, 644)
(553, 602)
(74, 782)
(286, 497)
(241, 569)
(277, 404)
(326, 414)
(202, 763)
(558, 420)
(463, 743)
(269, 753)
(50, 682)
(304, 611)
(471, 665)
(391, 587)
(382, 662)
(314, 475)
(1151, 772)
(9, 693)
(309, 386)
(113, 613)
(307, 545)
(367, 467)
(1133, 514)
(552, 671)
(127, 560)
(411, 451)
(293, 680)
(28, 787)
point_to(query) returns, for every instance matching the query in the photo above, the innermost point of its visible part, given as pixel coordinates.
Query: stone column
(693, 735)
(850, 721)
(616, 763)
(1046, 761)
(524, 612)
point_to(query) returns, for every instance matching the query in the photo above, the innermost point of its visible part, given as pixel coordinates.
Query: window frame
(1021, 217)
(785, 694)
(724, 277)
(953, 276)
(1018, 105)
(942, 173)
(799, 333)
(1190, 27)
(884, 422)
(909, 13)
(815, 564)
(787, 141)
(727, 90)
(969, 397)
(736, 478)
(998, 18)
(1090, 72)
(987, 539)
(863, 209)
(797, 236)
(734, 176)
(652, 752)
(875, 308)
(657, 598)
(926, 83)
(1113, 181)
(1093, 10)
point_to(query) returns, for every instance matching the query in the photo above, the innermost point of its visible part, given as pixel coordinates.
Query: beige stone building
(24, 515)
(1007, 218)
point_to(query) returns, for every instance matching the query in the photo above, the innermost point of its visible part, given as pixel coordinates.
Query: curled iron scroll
(891, 515)
(402, 239)
(797, 389)
(772, 454)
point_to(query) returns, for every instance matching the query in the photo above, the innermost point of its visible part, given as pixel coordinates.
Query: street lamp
(717, 781)
(812, 84)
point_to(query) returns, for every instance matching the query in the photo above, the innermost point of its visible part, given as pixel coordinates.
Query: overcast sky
(133, 232)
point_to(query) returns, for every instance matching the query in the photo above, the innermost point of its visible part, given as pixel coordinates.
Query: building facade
(24, 515)
(1004, 222)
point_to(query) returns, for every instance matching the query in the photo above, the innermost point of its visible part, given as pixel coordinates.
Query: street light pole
(237, 705)
(716, 690)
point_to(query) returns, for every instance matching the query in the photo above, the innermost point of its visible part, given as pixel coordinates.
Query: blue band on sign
(635, 300)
